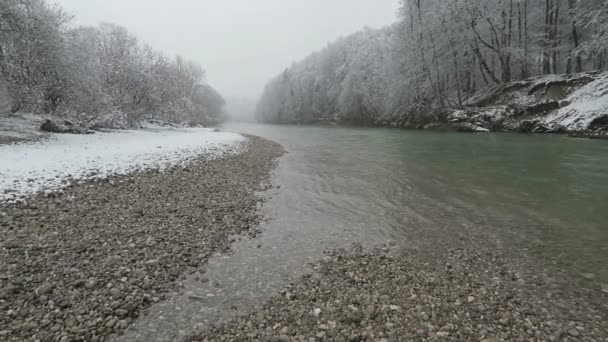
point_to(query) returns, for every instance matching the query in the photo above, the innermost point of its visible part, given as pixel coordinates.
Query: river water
(542, 199)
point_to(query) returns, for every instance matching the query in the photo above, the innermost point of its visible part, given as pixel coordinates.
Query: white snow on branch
(50, 165)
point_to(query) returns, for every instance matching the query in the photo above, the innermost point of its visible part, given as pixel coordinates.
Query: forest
(101, 76)
(437, 55)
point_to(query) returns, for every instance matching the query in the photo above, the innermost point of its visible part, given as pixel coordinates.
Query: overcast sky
(240, 43)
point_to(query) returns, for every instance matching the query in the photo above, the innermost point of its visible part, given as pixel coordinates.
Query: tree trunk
(546, 56)
(555, 36)
(577, 66)
(525, 71)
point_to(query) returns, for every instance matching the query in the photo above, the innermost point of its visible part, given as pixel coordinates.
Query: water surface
(542, 199)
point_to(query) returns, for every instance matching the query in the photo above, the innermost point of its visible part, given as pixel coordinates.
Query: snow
(586, 104)
(547, 79)
(50, 165)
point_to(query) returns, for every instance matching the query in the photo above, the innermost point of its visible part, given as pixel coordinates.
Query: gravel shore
(83, 264)
(373, 296)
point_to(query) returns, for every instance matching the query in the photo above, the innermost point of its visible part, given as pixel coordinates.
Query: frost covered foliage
(99, 75)
(346, 81)
(437, 55)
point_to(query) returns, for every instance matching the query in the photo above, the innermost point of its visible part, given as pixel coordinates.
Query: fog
(240, 43)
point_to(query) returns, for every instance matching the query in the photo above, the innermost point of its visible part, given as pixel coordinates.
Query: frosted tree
(31, 47)
(102, 76)
(436, 56)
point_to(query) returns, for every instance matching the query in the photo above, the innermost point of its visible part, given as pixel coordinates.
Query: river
(531, 191)
(541, 199)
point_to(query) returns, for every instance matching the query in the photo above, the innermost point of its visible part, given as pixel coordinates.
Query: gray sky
(240, 43)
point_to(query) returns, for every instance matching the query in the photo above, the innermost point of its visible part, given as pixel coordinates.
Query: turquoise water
(545, 196)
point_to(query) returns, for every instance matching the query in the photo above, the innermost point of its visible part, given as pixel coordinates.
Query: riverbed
(538, 202)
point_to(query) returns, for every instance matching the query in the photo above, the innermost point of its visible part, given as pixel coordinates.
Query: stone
(111, 323)
(122, 324)
(51, 127)
(44, 289)
(121, 312)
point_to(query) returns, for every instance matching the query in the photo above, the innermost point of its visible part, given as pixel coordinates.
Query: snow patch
(585, 105)
(541, 80)
(49, 166)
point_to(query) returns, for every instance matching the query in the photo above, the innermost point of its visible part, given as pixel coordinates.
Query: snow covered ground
(50, 165)
(585, 105)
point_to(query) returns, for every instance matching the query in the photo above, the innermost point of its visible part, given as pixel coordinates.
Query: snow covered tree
(98, 75)
(436, 56)
(31, 47)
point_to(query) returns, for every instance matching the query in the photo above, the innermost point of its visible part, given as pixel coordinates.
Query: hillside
(552, 104)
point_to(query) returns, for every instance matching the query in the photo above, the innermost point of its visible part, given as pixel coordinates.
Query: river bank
(569, 104)
(573, 104)
(83, 263)
(461, 295)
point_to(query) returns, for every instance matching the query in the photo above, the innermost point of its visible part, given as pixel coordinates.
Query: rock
(111, 323)
(354, 317)
(90, 284)
(526, 126)
(44, 289)
(599, 123)
(589, 276)
(67, 127)
(116, 293)
(51, 127)
(121, 312)
(79, 283)
(122, 324)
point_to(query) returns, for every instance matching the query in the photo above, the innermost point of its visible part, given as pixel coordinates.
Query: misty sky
(240, 43)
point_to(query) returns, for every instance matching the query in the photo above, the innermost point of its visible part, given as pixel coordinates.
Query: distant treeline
(438, 53)
(100, 75)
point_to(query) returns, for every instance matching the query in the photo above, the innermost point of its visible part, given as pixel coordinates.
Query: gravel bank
(371, 296)
(16, 140)
(82, 265)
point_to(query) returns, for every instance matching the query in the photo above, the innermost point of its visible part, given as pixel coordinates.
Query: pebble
(111, 323)
(44, 289)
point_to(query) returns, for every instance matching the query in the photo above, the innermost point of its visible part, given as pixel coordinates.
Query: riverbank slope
(575, 104)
